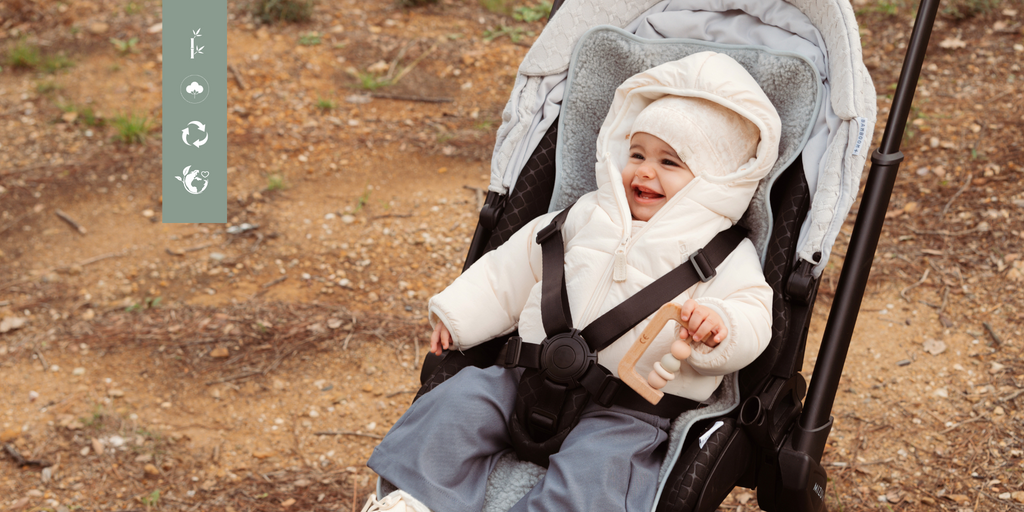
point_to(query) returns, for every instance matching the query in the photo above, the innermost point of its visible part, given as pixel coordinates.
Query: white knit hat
(709, 138)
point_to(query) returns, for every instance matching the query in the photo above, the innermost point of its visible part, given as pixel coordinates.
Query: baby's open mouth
(646, 194)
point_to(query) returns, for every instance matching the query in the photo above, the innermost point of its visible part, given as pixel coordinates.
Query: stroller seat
(544, 161)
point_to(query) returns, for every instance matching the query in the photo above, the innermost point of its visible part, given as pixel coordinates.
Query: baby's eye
(637, 156)
(669, 163)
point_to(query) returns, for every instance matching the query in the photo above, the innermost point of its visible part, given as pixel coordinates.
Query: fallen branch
(992, 332)
(915, 285)
(402, 97)
(237, 76)
(962, 423)
(66, 218)
(22, 461)
(346, 433)
(957, 194)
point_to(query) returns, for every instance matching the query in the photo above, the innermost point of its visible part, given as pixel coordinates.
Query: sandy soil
(183, 367)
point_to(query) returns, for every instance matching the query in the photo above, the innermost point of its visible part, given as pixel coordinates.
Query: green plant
(963, 9)
(310, 39)
(886, 7)
(132, 8)
(95, 419)
(275, 182)
(153, 500)
(513, 33)
(497, 6)
(149, 302)
(131, 128)
(361, 202)
(125, 47)
(532, 13)
(270, 11)
(55, 63)
(23, 56)
(325, 104)
(372, 82)
(47, 87)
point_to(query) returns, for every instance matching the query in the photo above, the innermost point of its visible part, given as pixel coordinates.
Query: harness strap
(554, 300)
(703, 264)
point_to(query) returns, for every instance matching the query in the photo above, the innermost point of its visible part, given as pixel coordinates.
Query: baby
(679, 157)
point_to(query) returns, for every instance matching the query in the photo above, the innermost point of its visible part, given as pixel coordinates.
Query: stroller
(756, 430)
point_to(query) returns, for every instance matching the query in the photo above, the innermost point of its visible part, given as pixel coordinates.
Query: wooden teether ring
(627, 366)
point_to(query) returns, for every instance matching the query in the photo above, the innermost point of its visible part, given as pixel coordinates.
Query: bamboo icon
(192, 44)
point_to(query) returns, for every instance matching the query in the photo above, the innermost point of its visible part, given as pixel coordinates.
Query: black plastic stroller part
(800, 482)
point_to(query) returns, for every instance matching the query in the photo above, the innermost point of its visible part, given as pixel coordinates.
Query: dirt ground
(194, 367)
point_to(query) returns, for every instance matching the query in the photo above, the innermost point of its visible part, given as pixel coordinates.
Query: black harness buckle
(566, 357)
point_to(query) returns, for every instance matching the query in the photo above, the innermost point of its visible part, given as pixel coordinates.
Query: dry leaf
(952, 43)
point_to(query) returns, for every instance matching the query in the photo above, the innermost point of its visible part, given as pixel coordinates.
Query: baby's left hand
(702, 324)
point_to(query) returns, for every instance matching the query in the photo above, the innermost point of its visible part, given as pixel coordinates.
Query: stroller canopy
(822, 31)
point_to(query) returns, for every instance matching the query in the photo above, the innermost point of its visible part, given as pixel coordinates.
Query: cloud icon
(194, 88)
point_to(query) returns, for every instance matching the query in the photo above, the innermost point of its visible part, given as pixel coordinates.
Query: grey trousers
(444, 447)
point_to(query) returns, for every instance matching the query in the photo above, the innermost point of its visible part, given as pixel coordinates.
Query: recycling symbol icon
(186, 134)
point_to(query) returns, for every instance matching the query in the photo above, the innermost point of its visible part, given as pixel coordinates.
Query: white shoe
(398, 501)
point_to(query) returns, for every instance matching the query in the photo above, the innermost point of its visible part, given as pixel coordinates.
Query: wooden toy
(665, 369)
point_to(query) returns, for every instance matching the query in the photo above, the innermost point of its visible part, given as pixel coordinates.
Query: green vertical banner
(195, 151)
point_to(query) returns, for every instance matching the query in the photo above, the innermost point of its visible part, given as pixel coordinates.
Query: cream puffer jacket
(607, 261)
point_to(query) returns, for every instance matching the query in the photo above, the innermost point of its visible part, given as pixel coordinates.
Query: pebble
(344, 283)
(78, 371)
(88, 314)
(147, 213)
(216, 256)
(85, 451)
(32, 396)
(115, 393)
(219, 352)
(151, 470)
(359, 99)
(97, 446)
(348, 219)
(942, 392)
(34, 493)
(11, 323)
(99, 27)
(288, 502)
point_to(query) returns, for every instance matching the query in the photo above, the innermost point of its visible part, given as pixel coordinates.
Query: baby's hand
(440, 338)
(702, 324)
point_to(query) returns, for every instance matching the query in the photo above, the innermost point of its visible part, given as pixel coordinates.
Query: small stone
(216, 256)
(88, 314)
(78, 371)
(372, 297)
(359, 99)
(334, 323)
(910, 207)
(996, 367)
(348, 219)
(145, 457)
(288, 502)
(1005, 496)
(155, 29)
(998, 411)
(97, 446)
(11, 323)
(278, 384)
(85, 451)
(934, 347)
(69, 117)
(1018, 496)
(99, 27)
(115, 393)
(302, 482)
(261, 454)
(151, 470)
(9, 435)
(166, 405)
(33, 396)
(147, 213)
(942, 393)
(219, 352)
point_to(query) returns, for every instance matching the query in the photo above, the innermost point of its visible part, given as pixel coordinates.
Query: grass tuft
(290, 11)
(131, 128)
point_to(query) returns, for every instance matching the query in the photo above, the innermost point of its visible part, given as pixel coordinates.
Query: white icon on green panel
(191, 177)
(185, 133)
(196, 50)
(194, 89)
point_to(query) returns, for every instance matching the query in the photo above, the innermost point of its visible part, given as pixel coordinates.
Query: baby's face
(653, 175)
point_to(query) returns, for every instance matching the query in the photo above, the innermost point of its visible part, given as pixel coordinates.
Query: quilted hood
(708, 76)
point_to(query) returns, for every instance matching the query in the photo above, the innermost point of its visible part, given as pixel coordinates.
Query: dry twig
(71, 222)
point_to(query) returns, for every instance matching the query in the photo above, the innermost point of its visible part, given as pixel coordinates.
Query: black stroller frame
(779, 441)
